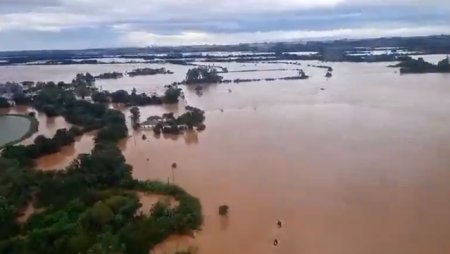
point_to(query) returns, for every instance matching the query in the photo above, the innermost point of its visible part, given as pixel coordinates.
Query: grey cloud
(160, 19)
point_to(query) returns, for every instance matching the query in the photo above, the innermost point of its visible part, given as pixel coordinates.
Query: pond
(13, 128)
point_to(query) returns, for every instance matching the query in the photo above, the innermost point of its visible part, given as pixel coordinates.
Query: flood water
(362, 166)
(12, 128)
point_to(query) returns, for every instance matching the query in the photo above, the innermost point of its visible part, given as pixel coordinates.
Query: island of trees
(42, 94)
(209, 75)
(171, 96)
(110, 75)
(148, 72)
(410, 65)
(203, 75)
(91, 206)
(301, 75)
(192, 119)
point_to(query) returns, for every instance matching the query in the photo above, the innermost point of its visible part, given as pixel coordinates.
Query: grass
(34, 127)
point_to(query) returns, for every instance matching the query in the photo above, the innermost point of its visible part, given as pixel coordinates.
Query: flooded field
(360, 166)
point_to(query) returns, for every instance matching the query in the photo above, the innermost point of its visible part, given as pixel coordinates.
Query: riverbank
(34, 127)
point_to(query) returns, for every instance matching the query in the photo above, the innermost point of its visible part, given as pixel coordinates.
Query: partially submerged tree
(203, 74)
(135, 117)
(4, 103)
(223, 210)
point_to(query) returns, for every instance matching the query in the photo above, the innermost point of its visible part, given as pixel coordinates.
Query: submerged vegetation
(223, 210)
(148, 72)
(203, 75)
(92, 206)
(169, 124)
(410, 65)
(135, 116)
(171, 96)
(301, 75)
(110, 75)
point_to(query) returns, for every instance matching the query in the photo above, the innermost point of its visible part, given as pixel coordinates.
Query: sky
(78, 24)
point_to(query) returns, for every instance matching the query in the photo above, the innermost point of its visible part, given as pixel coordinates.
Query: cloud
(50, 21)
(142, 38)
(139, 22)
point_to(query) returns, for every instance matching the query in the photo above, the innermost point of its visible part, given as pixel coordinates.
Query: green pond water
(12, 128)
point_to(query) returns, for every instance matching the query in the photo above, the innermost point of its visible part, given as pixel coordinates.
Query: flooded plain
(358, 163)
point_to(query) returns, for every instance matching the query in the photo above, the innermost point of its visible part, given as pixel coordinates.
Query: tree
(7, 219)
(82, 91)
(61, 84)
(97, 217)
(21, 99)
(223, 210)
(410, 65)
(120, 96)
(135, 117)
(110, 75)
(100, 97)
(172, 94)
(444, 65)
(91, 206)
(83, 79)
(193, 117)
(148, 71)
(4, 103)
(50, 111)
(202, 74)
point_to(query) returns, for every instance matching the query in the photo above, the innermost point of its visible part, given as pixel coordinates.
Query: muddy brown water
(361, 167)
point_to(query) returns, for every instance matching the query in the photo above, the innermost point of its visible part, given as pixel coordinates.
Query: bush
(223, 210)
(4, 103)
(203, 74)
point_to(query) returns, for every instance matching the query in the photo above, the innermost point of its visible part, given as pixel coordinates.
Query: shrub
(223, 210)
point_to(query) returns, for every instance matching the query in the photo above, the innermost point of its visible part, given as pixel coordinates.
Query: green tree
(135, 117)
(172, 94)
(202, 74)
(120, 96)
(223, 210)
(97, 218)
(100, 97)
(4, 103)
(8, 222)
(82, 91)
(444, 65)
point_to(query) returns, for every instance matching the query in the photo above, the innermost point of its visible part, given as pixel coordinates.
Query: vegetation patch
(148, 72)
(410, 65)
(110, 75)
(91, 206)
(223, 210)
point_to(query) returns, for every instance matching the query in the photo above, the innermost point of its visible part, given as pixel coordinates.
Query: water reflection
(191, 138)
(224, 222)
